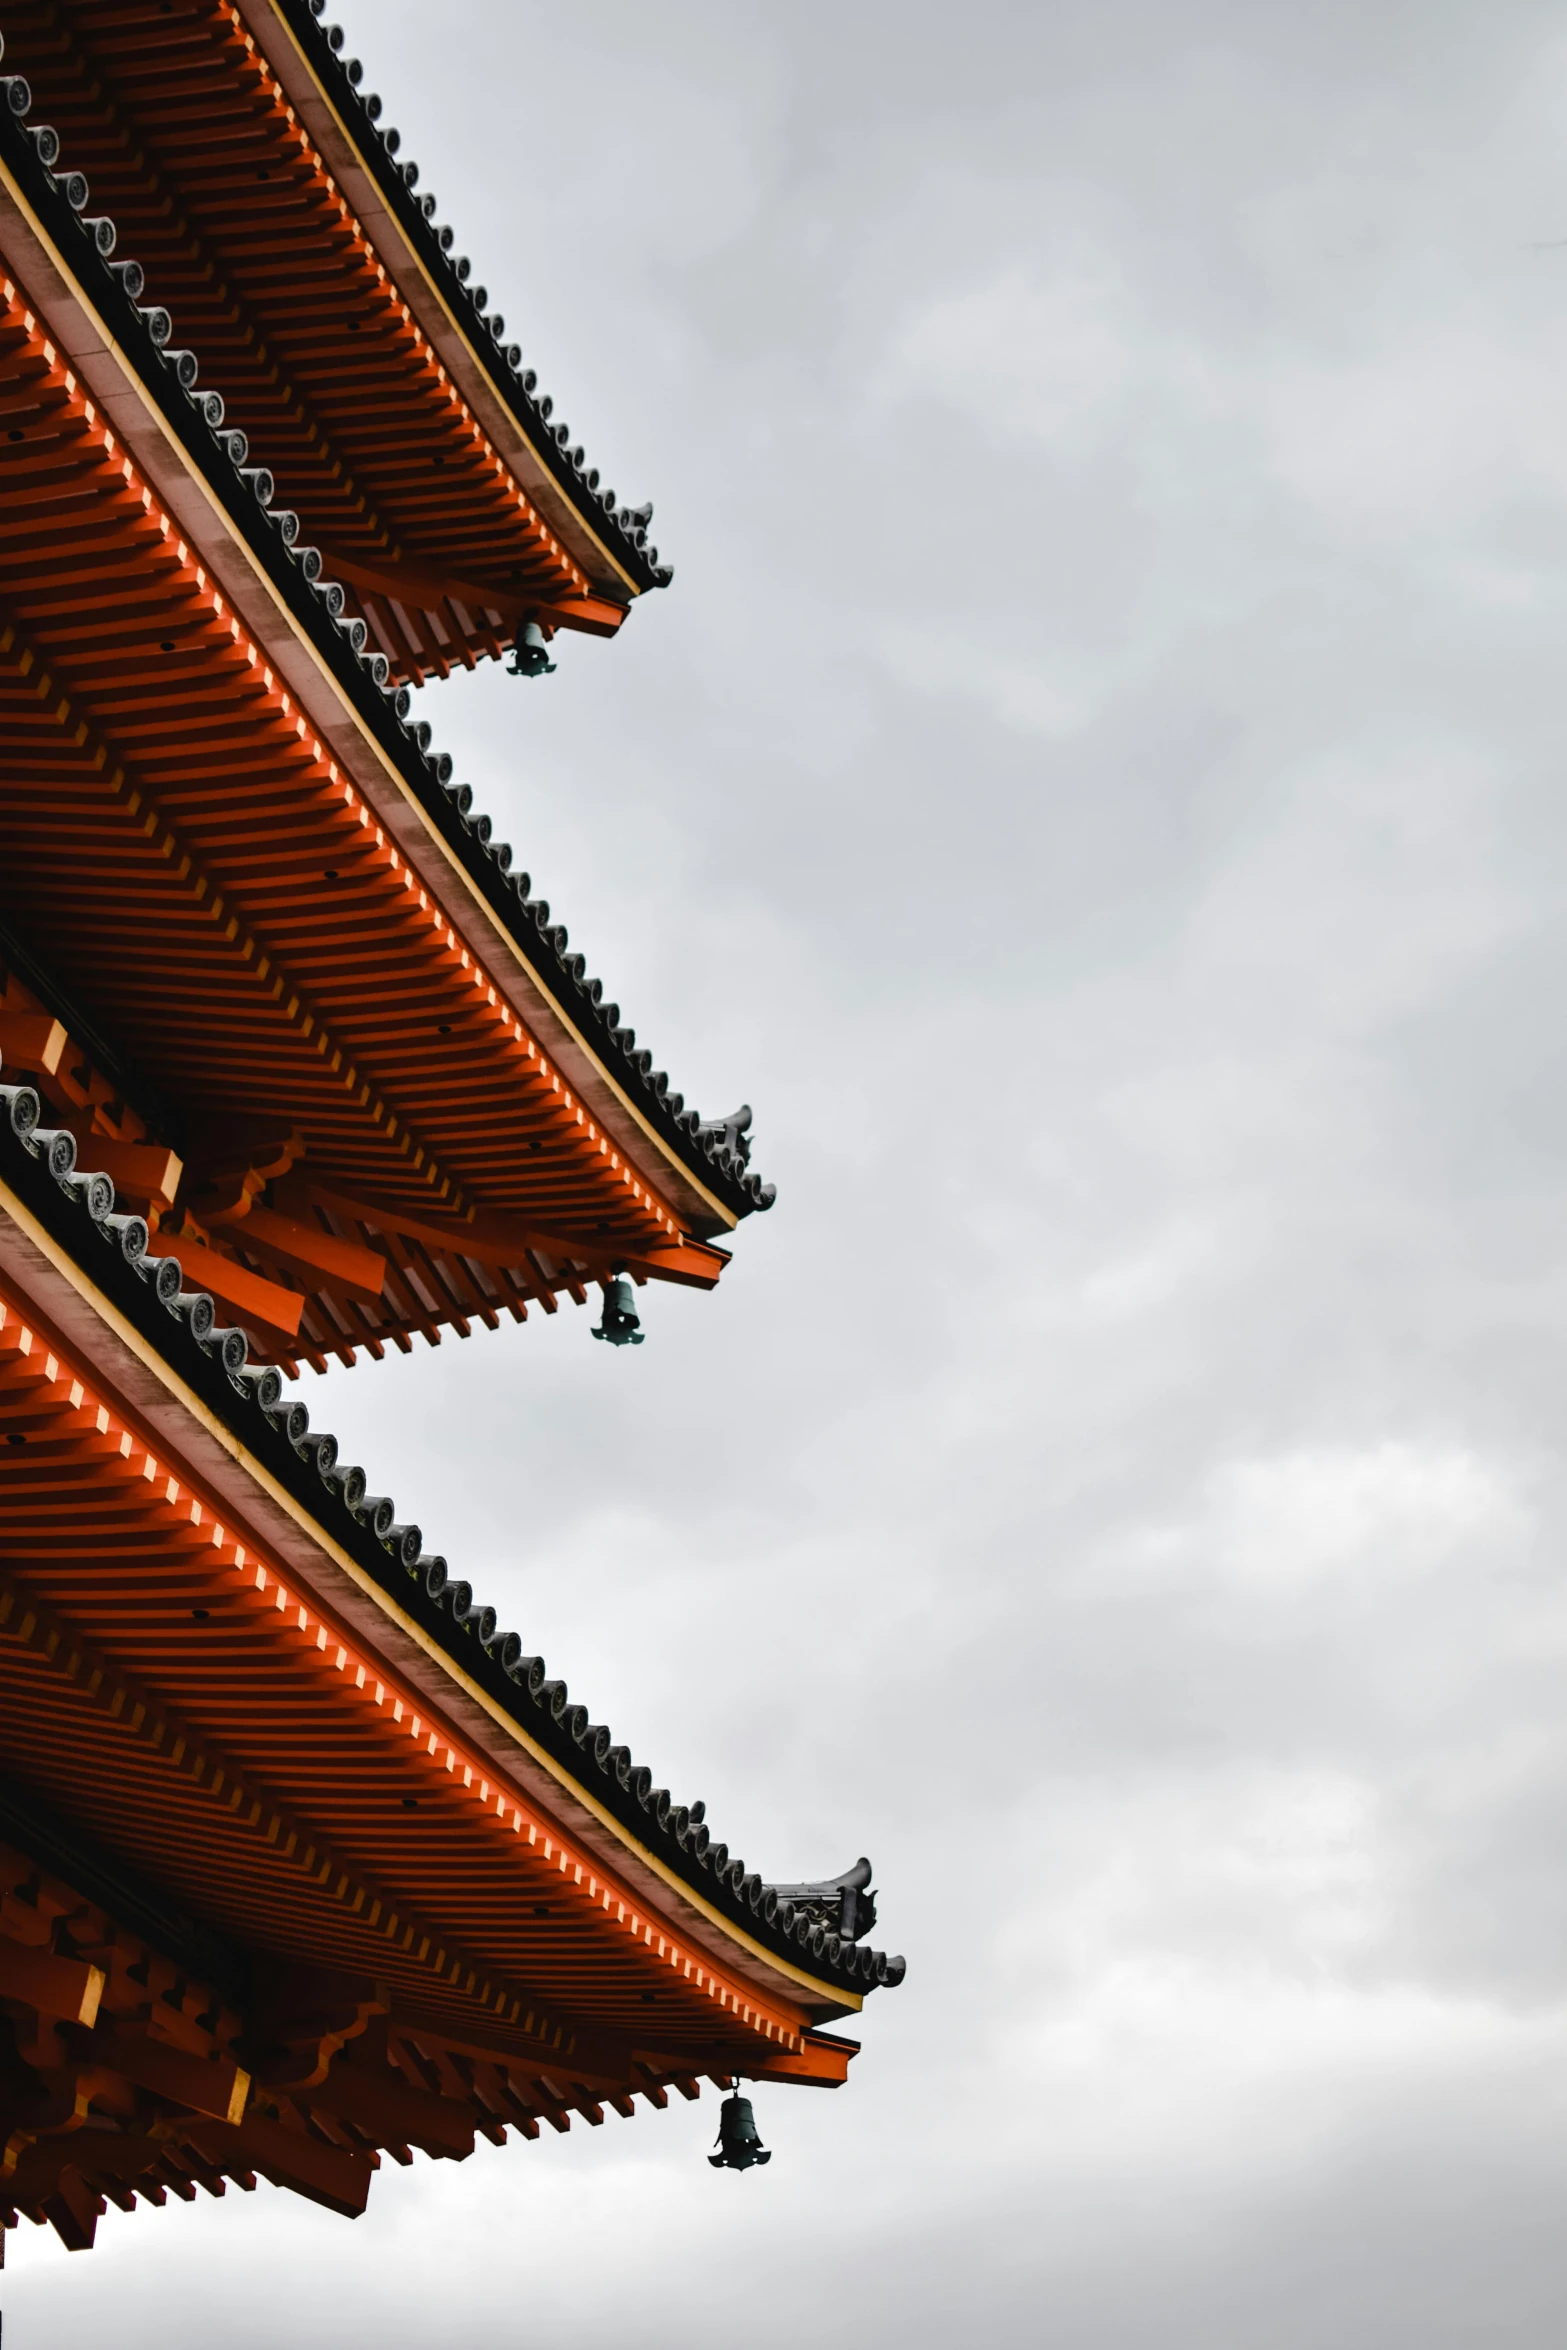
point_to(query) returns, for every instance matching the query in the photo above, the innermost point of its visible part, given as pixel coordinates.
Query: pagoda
(305, 1859)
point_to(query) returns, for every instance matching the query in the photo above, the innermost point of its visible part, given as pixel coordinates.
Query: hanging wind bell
(740, 2146)
(530, 655)
(622, 1325)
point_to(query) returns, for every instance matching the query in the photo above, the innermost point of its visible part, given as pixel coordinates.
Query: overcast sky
(1096, 786)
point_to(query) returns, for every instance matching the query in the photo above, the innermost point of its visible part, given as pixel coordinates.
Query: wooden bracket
(65, 1987)
(31, 1041)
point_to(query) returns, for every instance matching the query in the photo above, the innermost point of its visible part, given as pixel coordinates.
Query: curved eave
(110, 1317)
(100, 329)
(296, 48)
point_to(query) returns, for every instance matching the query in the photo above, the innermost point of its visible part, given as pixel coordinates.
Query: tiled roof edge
(716, 1151)
(76, 1207)
(623, 528)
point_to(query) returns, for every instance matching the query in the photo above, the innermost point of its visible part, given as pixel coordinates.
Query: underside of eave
(189, 2061)
(472, 891)
(328, 100)
(351, 1580)
(207, 159)
(182, 1560)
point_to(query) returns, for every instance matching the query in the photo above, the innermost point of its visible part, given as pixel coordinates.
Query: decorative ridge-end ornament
(845, 1906)
(739, 2145)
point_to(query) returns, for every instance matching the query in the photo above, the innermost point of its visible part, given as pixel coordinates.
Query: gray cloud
(1094, 786)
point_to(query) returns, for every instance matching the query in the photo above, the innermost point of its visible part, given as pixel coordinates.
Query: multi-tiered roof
(303, 1856)
(362, 1034)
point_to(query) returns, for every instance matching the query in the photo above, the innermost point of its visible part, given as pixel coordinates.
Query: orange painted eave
(279, 728)
(66, 318)
(400, 1743)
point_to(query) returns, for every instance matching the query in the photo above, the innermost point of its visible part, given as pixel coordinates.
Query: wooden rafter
(176, 829)
(190, 143)
(194, 1710)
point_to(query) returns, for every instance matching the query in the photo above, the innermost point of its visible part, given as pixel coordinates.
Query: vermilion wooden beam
(499, 1241)
(148, 1171)
(33, 1041)
(593, 614)
(404, 580)
(245, 1294)
(306, 1249)
(220, 2088)
(66, 1987)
